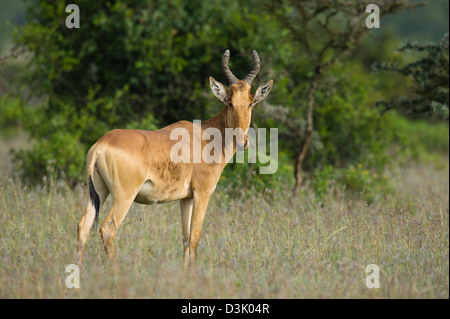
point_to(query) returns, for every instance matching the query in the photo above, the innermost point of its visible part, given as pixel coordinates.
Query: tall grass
(252, 247)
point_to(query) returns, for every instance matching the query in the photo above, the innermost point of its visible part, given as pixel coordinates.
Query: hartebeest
(136, 166)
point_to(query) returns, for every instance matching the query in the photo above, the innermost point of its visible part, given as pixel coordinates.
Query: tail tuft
(94, 198)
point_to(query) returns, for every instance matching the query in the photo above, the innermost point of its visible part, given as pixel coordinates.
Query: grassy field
(253, 247)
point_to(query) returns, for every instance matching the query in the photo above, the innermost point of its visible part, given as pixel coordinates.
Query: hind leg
(116, 215)
(89, 214)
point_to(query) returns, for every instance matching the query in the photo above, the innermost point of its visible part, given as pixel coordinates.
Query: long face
(239, 101)
(239, 112)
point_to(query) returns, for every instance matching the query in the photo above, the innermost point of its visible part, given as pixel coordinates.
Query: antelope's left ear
(262, 92)
(218, 89)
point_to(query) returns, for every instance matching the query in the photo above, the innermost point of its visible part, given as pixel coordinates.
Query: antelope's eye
(250, 105)
(230, 104)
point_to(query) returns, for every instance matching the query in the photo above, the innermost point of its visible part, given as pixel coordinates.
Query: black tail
(94, 199)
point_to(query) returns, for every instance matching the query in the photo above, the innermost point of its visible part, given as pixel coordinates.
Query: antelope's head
(239, 101)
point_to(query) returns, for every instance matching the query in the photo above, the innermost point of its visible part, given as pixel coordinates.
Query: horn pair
(230, 76)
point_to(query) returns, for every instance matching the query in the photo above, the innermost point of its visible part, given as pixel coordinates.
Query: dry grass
(251, 247)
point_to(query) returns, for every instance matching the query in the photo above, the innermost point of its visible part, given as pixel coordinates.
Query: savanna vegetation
(362, 118)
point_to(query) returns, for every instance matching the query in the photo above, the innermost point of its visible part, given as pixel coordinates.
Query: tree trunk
(309, 130)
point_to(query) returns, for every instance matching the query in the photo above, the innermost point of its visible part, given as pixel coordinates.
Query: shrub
(131, 64)
(10, 113)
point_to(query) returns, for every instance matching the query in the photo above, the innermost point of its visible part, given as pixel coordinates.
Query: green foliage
(55, 158)
(325, 32)
(418, 140)
(145, 64)
(369, 184)
(348, 130)
(131, 64)
(351, 130)
(10, 113)
(357, 179)
(244, 179)
(430, 90)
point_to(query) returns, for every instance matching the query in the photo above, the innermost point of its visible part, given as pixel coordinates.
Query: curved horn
(256, 65)
(231, 78)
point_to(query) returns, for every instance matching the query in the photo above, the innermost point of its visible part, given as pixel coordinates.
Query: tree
(131, 64)
(326, 31)
(144, 64)
(429, 92)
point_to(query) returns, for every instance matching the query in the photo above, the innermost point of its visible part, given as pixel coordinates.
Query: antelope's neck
(220, 122)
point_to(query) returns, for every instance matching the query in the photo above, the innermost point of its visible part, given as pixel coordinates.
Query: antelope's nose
(242, 147)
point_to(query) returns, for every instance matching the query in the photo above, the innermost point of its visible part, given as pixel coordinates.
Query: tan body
(136, 166)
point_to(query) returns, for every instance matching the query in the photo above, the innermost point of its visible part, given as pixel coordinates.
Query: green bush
(145, 64)
(350, 128)
(428, 95)
(242, 179)
(10, 113)
(356, 179)
(131, 64)
(418, 140)
(55, 158)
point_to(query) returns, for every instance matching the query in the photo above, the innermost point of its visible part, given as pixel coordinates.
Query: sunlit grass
(251, 247)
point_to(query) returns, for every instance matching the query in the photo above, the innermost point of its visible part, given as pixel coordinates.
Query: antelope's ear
(262, 92)
(218, 89)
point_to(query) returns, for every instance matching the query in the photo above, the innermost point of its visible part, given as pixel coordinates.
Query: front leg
(186, 206)
(200, 204)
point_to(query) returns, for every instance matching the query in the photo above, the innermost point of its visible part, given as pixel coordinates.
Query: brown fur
(135, 165)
